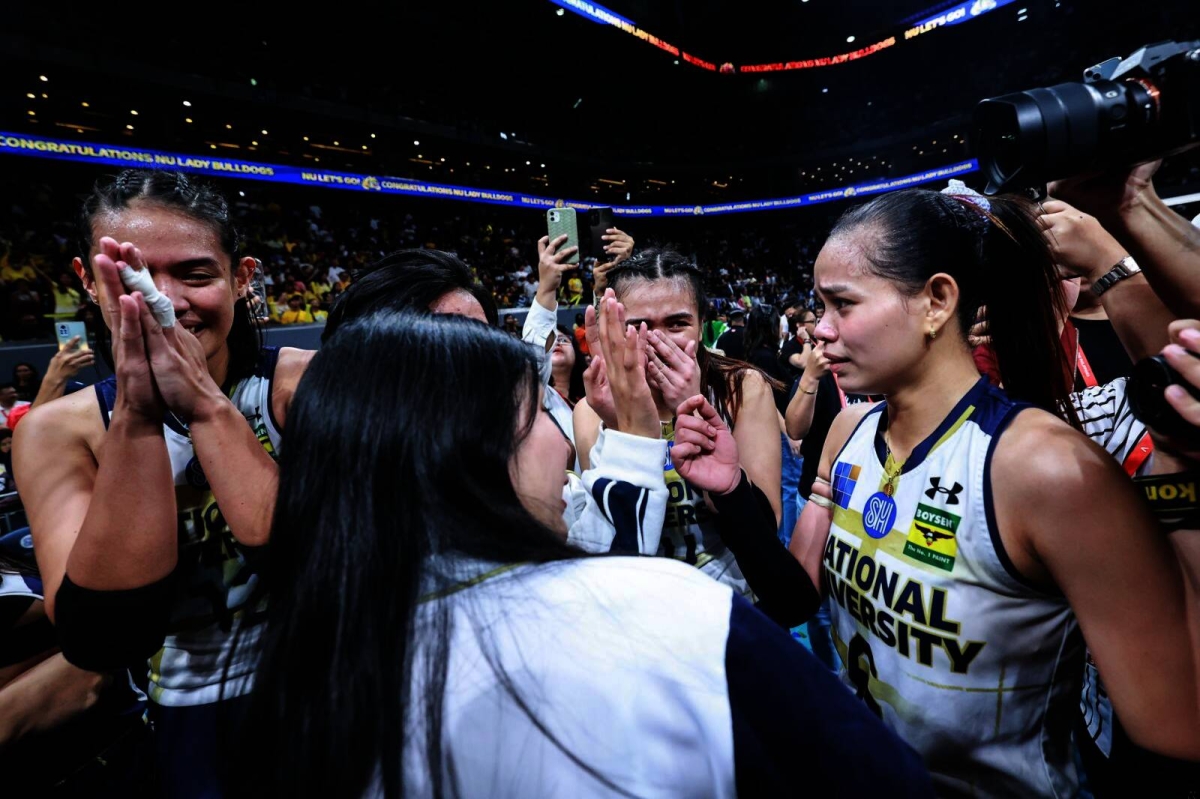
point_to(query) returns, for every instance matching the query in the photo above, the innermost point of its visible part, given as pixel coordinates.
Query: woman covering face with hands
(665, 291)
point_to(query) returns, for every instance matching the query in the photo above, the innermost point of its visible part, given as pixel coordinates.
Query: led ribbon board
(83, 152)
(963, 12)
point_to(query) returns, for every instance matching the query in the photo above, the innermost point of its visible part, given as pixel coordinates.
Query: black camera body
(1123, 112)
(1150, 378)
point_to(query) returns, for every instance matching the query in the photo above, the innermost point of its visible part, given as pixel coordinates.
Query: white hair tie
(956, 188)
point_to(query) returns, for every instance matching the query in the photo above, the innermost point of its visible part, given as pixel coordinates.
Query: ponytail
(996, 253)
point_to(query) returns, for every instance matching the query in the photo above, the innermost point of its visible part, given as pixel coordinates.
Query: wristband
(820, 501)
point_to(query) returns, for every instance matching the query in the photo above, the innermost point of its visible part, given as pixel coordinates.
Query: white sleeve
(539, 323)
(1107, 418)
(620, 506)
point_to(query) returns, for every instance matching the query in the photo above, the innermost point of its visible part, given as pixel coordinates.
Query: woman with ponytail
(967, 534)
(148, 497)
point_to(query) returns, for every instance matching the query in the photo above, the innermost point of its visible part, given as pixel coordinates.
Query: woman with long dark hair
(148, 496)
(432, 633)
(966, 534)
(567, 364)
(666, 291)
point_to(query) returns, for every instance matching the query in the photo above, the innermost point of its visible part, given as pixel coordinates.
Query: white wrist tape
(158, 303)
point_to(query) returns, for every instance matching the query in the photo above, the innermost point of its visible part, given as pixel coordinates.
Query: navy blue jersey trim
(106, 396)
(922, 450)
(989, 504)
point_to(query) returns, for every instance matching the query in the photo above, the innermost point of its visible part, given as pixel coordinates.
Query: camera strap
(1172, 499)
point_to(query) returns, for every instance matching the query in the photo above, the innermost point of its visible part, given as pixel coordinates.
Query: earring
(932, 333)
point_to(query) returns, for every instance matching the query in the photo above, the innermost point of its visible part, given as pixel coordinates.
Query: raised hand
(624, 352)
(595, 377)
(618, 249)
(705, 452)
(136, 392)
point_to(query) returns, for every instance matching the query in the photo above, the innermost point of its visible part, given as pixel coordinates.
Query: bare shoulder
(1039, 454)
(291, 365)
(844, 425)
(756, 393)
(289, 368)
(73, 419)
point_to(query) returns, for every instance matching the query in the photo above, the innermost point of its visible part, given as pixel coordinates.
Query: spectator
(25, 310)
(9, 402)
(26, 381)
(316, 309)
(730, 342)
(580, 334)
(67, 299)
(296, 313)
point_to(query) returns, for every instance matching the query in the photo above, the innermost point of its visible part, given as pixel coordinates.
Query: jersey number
(860, 649)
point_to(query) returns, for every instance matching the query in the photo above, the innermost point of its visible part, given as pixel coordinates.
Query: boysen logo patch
(845, 477)
(931, 539)
(937, 488)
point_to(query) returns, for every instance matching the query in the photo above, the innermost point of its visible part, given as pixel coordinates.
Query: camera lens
(1025, 139)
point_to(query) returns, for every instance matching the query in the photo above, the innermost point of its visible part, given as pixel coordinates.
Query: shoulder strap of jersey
(106, 397)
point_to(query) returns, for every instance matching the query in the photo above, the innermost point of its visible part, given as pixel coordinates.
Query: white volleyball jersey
(690, 529)
(939, 633)
(216, 575)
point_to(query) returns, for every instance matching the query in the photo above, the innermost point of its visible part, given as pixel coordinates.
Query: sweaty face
(186, 262)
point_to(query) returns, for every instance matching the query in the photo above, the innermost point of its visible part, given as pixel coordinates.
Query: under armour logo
(951, 493)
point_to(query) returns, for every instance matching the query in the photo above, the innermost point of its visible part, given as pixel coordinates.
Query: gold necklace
(891, 469)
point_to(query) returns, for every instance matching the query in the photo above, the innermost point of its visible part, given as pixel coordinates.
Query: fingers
(1184, 362)
(695, 423)
(1052, 206)
(668, 350)
(655, 372)
(689, 406)
(635, 345)
(157, 346)
(681, 452)
(591, 329)
(1179, 333)
(131, 326)
(105, 270)
(709, 414)
(702, 442)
